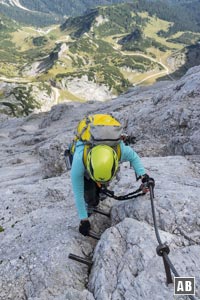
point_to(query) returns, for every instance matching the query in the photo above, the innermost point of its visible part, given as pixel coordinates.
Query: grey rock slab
(177, 190)
(126, 265)
(40, 230)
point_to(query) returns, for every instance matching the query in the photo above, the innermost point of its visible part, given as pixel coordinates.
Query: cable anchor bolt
(162, 248)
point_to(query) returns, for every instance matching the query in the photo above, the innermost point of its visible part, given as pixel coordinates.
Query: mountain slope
(38, 218)
(92, 57)
(40, 12)
(160, 9)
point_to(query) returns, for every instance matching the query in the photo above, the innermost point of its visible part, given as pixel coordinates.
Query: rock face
(42, 97)
(87, 90)
(126, 265)
(170, 116)
(125, 262)
(39, 222)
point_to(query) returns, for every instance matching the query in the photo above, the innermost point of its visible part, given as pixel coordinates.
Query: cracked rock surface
(126, 265)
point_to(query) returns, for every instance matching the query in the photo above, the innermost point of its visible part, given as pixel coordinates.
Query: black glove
(84, 227)
(148, 181)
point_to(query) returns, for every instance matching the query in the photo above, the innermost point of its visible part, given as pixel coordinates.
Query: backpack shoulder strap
(118, 151)
(85, 153)
(83, 127)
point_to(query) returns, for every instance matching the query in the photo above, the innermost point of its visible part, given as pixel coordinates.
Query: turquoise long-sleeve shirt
(78, 170)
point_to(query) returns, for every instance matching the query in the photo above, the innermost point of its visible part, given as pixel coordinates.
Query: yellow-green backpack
(98, 129)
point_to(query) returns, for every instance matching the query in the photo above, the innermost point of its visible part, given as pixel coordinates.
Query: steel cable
(163, 253)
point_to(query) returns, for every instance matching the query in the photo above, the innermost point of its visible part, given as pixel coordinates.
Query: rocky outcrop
(165, 117)
(88, 90)
(126, 265)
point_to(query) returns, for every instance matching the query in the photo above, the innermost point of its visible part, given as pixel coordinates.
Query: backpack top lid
(99, 129)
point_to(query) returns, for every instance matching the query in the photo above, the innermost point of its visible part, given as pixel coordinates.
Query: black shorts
(91, 192)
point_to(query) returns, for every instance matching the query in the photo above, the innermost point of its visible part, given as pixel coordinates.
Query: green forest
(55, 11)
(122, 20)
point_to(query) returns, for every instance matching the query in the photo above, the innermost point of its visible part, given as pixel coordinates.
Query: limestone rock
(126, 265)
(39, 221)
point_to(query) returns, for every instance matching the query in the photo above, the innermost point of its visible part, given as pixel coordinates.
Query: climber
(101, 167)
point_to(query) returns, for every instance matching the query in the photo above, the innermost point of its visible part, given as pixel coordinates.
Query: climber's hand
(84, 227)
(146, 183)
